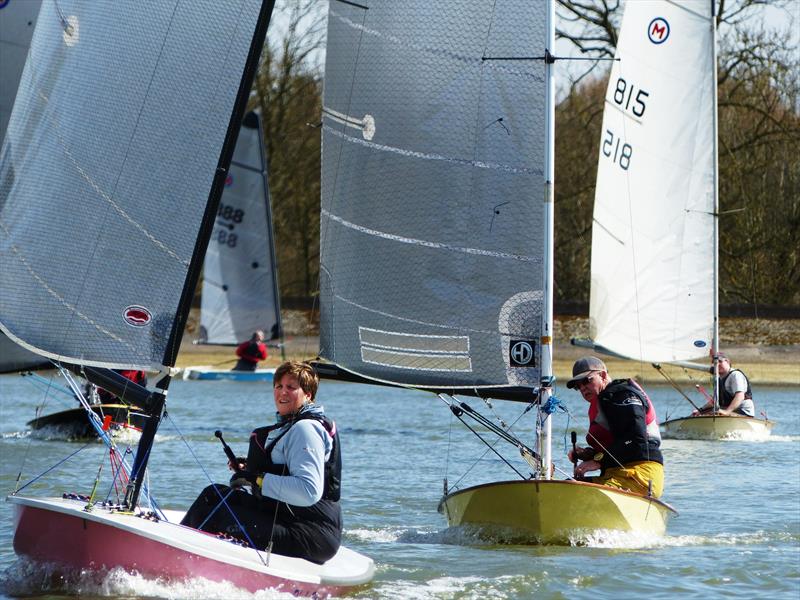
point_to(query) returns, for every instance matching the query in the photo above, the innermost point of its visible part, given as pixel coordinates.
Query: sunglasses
(584, 381)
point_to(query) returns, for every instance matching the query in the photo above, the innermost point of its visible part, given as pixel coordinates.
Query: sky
(769, 16)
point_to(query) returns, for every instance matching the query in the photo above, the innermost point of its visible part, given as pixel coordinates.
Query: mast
(715, 258)
(547, 313)
(158, 399)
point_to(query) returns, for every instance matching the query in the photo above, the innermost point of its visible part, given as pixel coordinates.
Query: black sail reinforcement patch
(522, 353)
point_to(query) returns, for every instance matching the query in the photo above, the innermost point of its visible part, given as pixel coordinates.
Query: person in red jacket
(106, 397)
(251, 352)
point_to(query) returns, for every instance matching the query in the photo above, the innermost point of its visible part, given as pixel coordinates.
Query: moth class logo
(658, 30)
(229, 180)
(521, 353)
(137, 316)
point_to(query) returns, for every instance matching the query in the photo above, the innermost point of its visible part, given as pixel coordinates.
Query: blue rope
(46, 385)
(552, 405)
(223, 499)
(61, 462)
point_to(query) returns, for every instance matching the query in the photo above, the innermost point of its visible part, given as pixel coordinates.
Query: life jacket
(726, 397)
(135, 376)
(635, 436)
(599, 435)
(259, 455)
(252, 350)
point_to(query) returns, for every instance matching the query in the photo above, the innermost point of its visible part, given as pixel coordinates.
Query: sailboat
(240, 282)
(437, 234)
(118, 418)
(654, 275)
(111, 174)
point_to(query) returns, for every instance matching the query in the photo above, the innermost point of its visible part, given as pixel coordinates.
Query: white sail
(240, 286)
(652, 287)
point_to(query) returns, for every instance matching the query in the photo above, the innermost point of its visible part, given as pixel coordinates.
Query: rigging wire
(456, 406)
(223, 499)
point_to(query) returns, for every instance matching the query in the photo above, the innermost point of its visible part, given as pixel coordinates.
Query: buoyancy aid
(626, 425)
(259, 454)
(252, 350)
(726, 397)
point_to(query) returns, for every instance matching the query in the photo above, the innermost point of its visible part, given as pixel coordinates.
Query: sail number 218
(618, 151)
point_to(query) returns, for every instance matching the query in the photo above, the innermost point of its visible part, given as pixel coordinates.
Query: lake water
(737, 535)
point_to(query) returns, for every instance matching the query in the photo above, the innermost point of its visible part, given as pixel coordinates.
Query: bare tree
(759, 150)
(288, 92)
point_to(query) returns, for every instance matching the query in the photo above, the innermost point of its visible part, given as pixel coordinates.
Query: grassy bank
(768, 351)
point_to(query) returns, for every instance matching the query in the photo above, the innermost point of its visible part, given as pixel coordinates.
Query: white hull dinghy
(135, 114)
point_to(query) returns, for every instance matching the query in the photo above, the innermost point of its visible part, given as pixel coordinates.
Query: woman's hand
(239, 465)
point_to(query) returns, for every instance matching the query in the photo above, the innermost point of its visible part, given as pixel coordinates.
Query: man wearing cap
(623, 436)
(735, 395)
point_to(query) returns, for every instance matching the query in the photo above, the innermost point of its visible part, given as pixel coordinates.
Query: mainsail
(433, 192)
(17, 22)
(240, 285)
(106, 171)
(653, 238)
(110, 179)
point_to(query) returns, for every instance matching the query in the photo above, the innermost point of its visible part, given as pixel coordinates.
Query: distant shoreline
(764, 365)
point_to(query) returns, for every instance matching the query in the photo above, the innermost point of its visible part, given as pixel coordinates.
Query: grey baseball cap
(583, 367)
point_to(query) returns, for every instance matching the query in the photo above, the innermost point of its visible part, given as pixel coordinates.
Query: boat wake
(455, 536)
(474, 535)
(449, 587)
(25, 578)
(727, 539)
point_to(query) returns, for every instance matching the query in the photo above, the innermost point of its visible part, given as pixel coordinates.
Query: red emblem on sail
(138, 316)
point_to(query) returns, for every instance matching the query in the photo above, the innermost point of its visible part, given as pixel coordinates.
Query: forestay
(432, 223)
(106, 170)
(240, 290)
(652, 289)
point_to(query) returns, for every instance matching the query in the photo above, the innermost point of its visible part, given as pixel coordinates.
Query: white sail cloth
(240, 286)
(653, 234)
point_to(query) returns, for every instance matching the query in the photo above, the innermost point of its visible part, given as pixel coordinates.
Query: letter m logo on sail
(658, 30)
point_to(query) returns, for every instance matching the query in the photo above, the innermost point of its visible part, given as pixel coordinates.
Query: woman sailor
(293, 469)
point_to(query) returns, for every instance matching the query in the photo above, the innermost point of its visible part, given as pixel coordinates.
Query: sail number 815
(623, 94)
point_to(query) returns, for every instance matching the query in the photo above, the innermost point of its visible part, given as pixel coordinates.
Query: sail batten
(652, 282)
(432, 224)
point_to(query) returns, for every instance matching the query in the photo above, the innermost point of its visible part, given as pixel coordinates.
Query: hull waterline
(717, 427)
(103, 539)
(555, 512)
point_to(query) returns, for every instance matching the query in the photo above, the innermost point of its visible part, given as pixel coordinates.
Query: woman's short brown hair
(302, 371)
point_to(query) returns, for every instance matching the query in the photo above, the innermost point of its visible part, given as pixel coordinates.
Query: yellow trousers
(635, 477)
